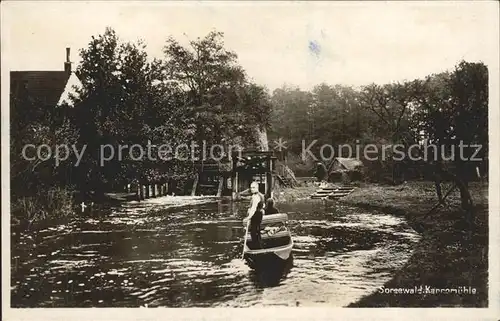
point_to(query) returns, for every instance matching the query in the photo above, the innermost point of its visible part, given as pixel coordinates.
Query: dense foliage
(195, 93)
(199, 93)
(442, 110)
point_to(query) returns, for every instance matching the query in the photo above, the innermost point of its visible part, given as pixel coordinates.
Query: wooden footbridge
(333, 192)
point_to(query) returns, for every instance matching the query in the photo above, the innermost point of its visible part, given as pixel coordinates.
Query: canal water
(191, 257)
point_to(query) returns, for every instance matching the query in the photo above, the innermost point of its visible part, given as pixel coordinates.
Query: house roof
(72, 85)
(45, 87)
(348, 163)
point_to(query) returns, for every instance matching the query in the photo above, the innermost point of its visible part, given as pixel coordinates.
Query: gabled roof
(45, 87)
(348, 163)
(70, 90)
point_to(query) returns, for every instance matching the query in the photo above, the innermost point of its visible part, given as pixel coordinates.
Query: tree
(392, 104)
(125, 100)
(453, 110)
(219, 102)
(31, 123)
(292, 116)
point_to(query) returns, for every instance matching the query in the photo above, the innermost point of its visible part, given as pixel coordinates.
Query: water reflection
(272, 273)
(191, 256)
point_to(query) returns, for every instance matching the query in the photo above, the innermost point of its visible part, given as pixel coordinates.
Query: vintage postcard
(250, 160)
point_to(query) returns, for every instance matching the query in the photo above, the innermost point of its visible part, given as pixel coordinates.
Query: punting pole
(245, 240)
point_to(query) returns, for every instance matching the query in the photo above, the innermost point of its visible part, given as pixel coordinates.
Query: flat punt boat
(276, 242)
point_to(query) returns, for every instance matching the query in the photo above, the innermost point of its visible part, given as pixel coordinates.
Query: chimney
(67, 64)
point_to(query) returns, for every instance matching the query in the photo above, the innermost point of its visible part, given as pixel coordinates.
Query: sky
(277, 43)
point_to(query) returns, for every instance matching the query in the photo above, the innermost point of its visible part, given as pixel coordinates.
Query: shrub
(299, 166)
(356, 175)
(52, 203)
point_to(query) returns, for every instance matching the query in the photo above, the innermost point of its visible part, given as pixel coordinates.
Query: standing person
(321, 172)
(255, 212)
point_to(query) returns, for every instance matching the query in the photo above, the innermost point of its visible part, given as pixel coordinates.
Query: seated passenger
(270, 209)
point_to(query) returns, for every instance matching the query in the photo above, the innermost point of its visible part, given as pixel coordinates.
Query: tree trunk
(438, 175)
(465, 197)
(437, 181)
(261, 139)
(439, 192)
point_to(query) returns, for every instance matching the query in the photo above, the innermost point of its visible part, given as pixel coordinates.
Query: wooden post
(195, 185)
(138, 192)
(236, 186)
(221, 184)
(141, 192)
(269, 185)
(233, 176)
(267, 189)
(233, 181)
(146, 194)
(155, 190)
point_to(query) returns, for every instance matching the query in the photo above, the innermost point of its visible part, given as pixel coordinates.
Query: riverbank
(104, 204)
(452, 254)
(168, 201)
(289, 195)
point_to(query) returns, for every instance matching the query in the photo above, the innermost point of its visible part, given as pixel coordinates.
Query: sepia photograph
(264, 155)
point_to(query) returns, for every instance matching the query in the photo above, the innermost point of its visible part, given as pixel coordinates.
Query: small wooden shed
(342, 168)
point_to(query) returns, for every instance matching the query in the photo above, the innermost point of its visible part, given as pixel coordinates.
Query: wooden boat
(276, 242)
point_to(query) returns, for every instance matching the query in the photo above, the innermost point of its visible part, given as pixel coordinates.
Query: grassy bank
(288, 195)
(452, 252)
